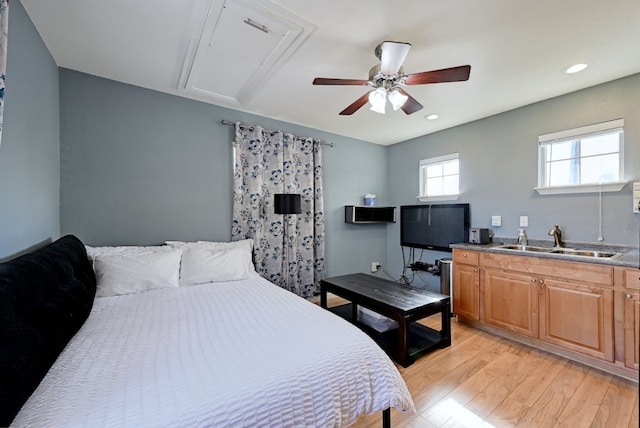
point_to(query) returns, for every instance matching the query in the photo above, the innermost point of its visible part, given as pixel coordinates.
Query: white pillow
(124, 250)
(132, 273)
(245, 243)
(201, 265)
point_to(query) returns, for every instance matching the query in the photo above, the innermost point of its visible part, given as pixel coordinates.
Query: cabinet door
(578, 317)
(466, 291)
(632, 330)
(511, 301)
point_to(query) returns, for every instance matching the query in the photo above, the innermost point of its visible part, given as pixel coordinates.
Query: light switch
(524, 221)
(496, 220)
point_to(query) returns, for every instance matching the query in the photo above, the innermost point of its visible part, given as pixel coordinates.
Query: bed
(230, 352)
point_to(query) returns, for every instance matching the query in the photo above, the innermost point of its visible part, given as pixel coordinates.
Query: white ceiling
(517, 51)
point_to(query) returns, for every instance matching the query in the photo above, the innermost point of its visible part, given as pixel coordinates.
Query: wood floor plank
(450, 357)
(419, 422)
(635, 416)
(585, 401)
(539, 377)
(542, 369)
(443, 362)
(545, 410)
(617, 405)
(463, 419)
(508, 414)
(484, 381)
(441, 387)
(468, 390)
(513, 373)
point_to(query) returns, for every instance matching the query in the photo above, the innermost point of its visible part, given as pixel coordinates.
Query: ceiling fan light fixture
(391, 55)
(387, 79)
(378, 99)
(397, 99)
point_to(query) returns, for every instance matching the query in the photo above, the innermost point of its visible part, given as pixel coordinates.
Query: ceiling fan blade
(355, 106)
(453, 74)
(325, 81)
(392, 55)
(411, 105)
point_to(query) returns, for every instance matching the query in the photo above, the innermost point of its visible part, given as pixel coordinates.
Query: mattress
(242, 353)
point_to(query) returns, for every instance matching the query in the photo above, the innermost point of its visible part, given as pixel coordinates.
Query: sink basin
(566, 251)
(584, 253)
(525, 248)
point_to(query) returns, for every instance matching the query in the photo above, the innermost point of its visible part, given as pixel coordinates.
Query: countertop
(625, 256)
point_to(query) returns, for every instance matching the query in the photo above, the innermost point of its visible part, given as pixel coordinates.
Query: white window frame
(578, 134)
(423, 197)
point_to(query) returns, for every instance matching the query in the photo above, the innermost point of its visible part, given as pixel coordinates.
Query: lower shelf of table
(422, 338)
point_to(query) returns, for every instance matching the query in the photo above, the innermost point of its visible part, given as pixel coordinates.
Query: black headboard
(45, 297)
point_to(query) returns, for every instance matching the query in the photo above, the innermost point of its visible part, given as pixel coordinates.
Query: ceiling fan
(388, 79)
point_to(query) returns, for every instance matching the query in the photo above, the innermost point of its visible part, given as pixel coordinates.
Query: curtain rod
(226, 122)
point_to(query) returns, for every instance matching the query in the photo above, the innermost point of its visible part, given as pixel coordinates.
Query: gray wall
(29, 151)
(141, 167)
(118, 164)
(498, 162)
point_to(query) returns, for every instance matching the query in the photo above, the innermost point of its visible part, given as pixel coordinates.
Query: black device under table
(398, 302)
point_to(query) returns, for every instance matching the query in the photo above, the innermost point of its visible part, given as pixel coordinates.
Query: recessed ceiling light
(576, 68)
(431, 116)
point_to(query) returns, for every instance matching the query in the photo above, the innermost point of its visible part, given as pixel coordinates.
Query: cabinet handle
(475, 269)
(629, 296)
(542, 281)
(464, 255)
(533, 280)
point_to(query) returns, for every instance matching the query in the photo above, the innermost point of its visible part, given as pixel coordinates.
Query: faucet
(557, 236)
(522, 238)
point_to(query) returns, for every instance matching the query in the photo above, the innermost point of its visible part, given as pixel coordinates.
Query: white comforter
(243, 353)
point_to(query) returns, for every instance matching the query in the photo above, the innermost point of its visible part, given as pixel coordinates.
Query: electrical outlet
(375, 266)
(524, 221)
(496, 220)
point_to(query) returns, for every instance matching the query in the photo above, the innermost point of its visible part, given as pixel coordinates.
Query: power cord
(403, 277)
(381, 269)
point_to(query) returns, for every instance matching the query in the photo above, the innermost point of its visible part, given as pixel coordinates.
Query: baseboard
(611, 368)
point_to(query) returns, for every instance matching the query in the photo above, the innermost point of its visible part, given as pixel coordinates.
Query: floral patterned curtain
(4, 29)
(273, 162)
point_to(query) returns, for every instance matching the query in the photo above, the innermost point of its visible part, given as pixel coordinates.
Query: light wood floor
(485, 381)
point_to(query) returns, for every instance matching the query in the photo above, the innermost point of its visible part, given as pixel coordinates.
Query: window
(582, 159)
(439, 178)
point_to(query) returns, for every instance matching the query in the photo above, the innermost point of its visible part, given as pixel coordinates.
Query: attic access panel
(239, 45)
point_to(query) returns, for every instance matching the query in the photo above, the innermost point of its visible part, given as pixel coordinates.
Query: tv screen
(434, 227)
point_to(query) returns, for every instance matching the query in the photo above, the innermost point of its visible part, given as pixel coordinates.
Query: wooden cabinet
(466, 284)
(586, 311)
(577, 317)
(565, 303)
(511, 301)
(632, 330)
(628, 316)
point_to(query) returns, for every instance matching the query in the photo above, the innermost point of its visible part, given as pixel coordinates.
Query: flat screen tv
(434, 227)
